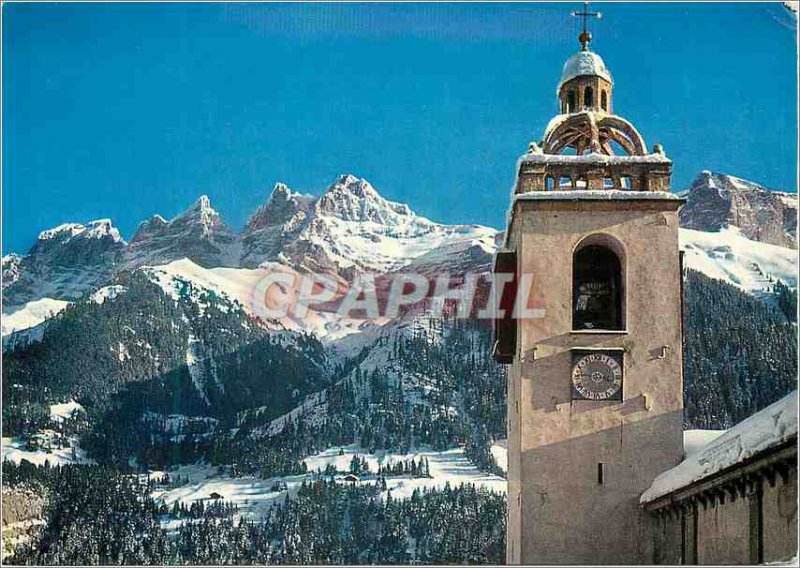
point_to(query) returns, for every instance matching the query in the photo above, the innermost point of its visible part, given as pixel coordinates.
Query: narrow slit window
(600, 473)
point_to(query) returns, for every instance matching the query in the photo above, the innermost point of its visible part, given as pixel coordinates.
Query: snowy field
(254, 496)
(14, 450)
(450, 466)
(500, 454)
(31, 315)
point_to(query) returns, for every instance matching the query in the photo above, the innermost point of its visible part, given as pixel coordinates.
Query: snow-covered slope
(729, 256)
(31, 314)
(241, 286)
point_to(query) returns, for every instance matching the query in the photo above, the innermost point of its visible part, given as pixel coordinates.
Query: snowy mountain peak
(718, 200)
(64, 262)
(97, 229)
(203, 202)
(63, 230)
(200, 212)
(354, 199)
(283, 206)
(280, 192)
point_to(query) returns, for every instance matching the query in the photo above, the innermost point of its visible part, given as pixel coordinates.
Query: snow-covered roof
(584, 63)
(594, 158)
(596, 195)
(761, 431)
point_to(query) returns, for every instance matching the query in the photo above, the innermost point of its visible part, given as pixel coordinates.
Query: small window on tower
(549, 183)
(625, 182)
(565, 183)
(604, 100)
(570, 101)
(608, 183)
(588, 97)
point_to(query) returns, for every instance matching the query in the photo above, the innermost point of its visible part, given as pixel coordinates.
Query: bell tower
(595, 397)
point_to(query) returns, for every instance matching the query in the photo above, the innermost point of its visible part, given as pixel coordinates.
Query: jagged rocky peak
(64, 263)
(98, 229)
(202, 214)
(11, 269)
(717, 200)
(152, 225)
(274, 224)
(353, 199)
(283, 206)
(75, 244)
(198, 234)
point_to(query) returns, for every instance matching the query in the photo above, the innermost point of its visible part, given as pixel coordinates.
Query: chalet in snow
(598, 472)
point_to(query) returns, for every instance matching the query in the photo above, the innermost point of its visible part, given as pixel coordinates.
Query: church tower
(595, 397)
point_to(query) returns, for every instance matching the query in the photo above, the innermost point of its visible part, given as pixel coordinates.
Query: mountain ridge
(716, 201)
(334, 233)
(349, 228)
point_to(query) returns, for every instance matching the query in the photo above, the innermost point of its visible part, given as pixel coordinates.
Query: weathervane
(585, 38)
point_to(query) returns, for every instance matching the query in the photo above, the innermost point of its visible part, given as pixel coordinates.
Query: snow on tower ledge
(763, 430)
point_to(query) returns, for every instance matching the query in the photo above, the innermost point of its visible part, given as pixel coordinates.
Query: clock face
(597, 376)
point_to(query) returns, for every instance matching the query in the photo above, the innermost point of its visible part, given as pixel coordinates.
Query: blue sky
(126, 110)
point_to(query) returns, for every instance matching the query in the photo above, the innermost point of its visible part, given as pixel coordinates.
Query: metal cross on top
(585, 36)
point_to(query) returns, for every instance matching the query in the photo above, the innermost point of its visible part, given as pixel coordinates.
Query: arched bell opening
(571, 101)
(598, 290)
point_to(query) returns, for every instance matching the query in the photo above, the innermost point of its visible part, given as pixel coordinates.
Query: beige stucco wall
(723, 532)
(780, 519)
(566, 517)
(667, 535)
(726, 530)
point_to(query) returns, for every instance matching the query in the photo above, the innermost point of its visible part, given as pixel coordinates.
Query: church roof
(763, 430)
(584, 63)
